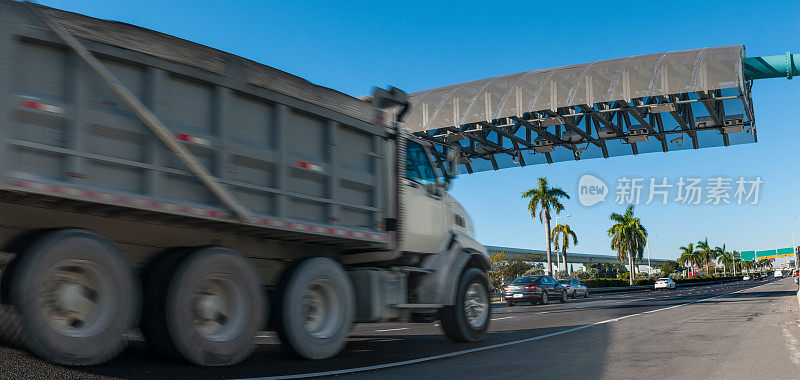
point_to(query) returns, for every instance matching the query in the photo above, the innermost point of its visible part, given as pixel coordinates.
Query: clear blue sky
(353, 46)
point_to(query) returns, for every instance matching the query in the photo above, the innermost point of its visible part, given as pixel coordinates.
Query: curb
(798, 290)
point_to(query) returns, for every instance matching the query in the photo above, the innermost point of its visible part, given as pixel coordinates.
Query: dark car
(575, 288)
(757, 277)
(534, 289)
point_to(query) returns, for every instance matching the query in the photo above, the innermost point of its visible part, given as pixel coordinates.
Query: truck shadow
(140, 362)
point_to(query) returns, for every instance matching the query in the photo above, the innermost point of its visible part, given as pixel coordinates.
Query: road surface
(733, 330)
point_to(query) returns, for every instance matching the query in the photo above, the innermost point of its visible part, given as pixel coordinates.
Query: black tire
(510, 304)
(454, 319)
(543, 300)
(92, 271)
(586, 295)
(563, 297)
(223, 283)
(155, 284)
(311, 278)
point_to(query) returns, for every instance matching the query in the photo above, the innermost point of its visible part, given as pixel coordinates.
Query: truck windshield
(418, 167)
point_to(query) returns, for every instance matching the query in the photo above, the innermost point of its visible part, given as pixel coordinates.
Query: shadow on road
(138, 361)
(366, 349)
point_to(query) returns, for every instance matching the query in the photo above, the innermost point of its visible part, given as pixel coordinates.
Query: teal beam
(773, 66)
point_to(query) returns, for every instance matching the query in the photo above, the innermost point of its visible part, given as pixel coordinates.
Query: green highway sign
(748, 255)
(765, 254)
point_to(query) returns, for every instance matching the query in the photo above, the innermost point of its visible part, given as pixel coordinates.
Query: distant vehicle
(535, 289)
(746, 278)
(777, 274)
(665, 283)
(575, 288)
(758, 277)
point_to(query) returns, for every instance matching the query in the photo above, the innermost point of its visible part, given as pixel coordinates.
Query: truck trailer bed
(308, 163)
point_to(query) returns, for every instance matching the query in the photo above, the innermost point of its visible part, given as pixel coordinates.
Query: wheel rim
(76, 298)
(544, 297)
(321, 309)
(476, 305)
(218, 307)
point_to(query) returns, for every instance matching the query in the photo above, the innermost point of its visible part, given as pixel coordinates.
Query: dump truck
(152, 183)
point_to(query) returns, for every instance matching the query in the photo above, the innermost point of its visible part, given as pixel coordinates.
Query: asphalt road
(733, 330)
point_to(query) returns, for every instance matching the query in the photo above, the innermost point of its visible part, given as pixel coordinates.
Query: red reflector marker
(41, 106)
(192, 139)
(309, 166)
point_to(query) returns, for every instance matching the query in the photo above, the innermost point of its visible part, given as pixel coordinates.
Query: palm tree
(545, 199)
(628, 238)
(764, 263)
(705, 251)
(687, 257)
(565, 232)
(749, 265)
(718, 254)
(725, 257)
(735, 254)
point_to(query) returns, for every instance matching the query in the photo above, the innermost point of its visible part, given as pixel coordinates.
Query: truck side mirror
(452, 166)
(433, 189)
(390, 98)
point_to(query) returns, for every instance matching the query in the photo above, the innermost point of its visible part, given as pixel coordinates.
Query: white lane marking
(397, 329)
(484, 348)
(497, 319)
(585, 318)
(262, 336)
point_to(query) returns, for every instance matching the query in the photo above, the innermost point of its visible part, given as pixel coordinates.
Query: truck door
(424, 222)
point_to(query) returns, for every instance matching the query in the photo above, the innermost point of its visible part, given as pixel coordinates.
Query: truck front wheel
(468, 319)
(314, 308)
(76, 297)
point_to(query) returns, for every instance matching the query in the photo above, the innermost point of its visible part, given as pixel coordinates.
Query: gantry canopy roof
(647, 103)
(572, 257)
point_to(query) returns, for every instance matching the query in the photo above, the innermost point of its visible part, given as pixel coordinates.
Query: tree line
(702, 256)
(628, 238)
(628, 234)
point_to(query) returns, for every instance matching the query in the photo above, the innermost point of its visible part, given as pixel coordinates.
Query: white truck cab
(432, 215)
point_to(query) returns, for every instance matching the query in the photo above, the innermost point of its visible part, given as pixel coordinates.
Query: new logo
(591, 190)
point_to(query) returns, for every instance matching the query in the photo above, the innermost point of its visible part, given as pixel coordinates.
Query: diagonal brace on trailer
(146, 116)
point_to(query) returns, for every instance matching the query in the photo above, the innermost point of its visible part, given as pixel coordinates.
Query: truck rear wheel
(76, 297)
(468, 319)
(315, 308)
(205, 306)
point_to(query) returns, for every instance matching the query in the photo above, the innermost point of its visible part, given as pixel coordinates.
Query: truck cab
(433, 216)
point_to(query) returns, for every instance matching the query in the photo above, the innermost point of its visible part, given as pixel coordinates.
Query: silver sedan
(574, 288)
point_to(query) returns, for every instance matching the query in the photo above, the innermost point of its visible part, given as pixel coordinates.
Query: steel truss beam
(580, 120)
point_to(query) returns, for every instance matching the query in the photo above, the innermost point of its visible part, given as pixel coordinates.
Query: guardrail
(621, 289)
